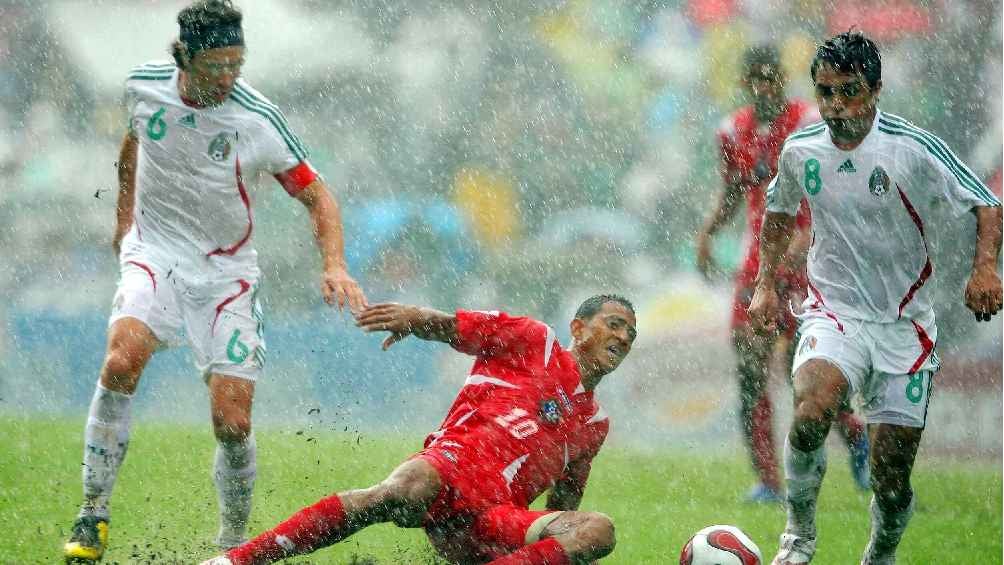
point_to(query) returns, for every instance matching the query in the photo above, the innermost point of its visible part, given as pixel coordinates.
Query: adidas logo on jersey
(188, 120)
(847, 167)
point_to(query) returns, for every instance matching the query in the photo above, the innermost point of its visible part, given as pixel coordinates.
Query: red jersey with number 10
(522, 420)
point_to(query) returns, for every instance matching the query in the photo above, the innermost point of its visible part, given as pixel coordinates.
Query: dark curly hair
(592, 305)
(850, 52)
(200, 15)
(761, 55)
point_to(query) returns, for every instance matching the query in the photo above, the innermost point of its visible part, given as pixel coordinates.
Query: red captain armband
(298, 178)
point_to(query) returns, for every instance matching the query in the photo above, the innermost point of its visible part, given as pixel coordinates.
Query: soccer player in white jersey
(184, 230)
(879, 189)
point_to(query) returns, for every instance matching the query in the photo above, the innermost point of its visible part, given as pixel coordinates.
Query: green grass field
(164, 509)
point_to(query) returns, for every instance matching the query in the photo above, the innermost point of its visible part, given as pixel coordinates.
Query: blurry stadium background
(516, 155)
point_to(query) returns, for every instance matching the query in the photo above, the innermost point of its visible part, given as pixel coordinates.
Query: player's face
(846, 102)
(212, 73)
(606, 338)
(765, 85)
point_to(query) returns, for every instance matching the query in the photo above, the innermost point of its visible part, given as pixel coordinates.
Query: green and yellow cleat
(88, 542)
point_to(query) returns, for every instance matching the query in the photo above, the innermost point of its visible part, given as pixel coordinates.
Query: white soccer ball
(720, 545)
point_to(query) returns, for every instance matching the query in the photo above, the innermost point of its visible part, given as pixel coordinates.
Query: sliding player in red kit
(524, 422)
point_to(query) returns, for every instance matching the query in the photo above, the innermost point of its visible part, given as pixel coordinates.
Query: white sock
(234, 473)
(803, 473)
(887, 530)
(106, 439)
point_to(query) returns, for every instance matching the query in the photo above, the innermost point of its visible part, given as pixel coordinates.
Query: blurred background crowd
(514, 155)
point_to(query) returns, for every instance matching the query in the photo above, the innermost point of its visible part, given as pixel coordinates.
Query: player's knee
(595, 536)
(892, 494)
(813, 409)
(413, 483)
(893, 501)
(121, 370)
(231, 428)
(404, 496)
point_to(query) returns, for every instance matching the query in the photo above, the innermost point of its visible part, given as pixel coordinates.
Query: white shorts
(889, 366)
(222, 320)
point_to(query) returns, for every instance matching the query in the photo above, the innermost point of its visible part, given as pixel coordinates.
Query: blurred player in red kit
(750, 140)
(524, 422)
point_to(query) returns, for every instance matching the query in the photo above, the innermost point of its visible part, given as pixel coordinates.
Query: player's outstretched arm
(725, 209)
(337, 286)
(402, 320)
(775, 239)
(126, 166)
(983, 292)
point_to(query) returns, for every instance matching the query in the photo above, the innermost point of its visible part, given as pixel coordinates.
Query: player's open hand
(983, 294)
(763, 309)
(398, 319)
(340, 289)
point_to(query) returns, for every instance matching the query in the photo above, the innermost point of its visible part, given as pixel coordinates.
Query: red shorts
(792, 289)
(471, 521)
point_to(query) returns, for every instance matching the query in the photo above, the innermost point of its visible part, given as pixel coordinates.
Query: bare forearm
(434, 325)
(728, 203)
(126, 166)
(794, 256)
(327, 224)
(775, 239)
(988, 238)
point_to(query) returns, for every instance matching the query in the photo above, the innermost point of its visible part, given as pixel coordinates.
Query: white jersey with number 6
(875, 215)
(193, 212)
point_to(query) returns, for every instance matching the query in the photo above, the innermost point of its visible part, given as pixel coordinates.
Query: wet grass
(165, 510)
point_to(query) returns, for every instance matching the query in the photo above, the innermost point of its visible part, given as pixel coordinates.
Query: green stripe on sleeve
(275, 111)
(945, 153)
(961, 173)
(276, 119)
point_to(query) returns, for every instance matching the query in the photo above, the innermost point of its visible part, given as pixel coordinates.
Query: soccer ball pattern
(720, 545)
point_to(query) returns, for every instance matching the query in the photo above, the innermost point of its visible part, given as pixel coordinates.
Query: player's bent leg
(894, 451)
(819, 388)
(570, 537)
(131, 344)
(756, 411)
(403, 497)
(106, 434)
(235, 462)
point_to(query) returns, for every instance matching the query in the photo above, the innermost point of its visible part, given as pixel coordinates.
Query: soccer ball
(720, 545)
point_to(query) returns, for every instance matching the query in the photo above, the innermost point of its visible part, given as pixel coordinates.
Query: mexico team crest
(219, 147)
(549, 411)
(879, 182)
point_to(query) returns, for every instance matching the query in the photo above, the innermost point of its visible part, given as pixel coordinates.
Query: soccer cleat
(859, 463)
(220, 560)
(794, 550)
(89, 540)
(763, 494)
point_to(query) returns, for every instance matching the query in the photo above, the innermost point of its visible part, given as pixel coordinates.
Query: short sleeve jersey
(192, 207)
(749, 152)
(523, 411)
(875, 214)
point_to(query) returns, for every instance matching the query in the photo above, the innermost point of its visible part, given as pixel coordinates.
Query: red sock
(308, 530)
(851, 426)
(544, 552)
(762, 442)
